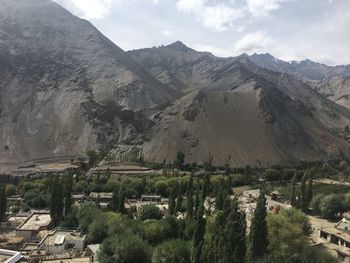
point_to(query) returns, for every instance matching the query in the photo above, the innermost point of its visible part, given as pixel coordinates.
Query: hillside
(64, 87)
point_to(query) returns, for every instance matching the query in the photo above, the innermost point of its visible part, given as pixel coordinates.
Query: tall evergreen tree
(3, 203)
(303, 201)
(113, 205)
(68, 189)
(189, 197)
(172, 201)
(121, 201)
(179, 201)
(293, 192)
(198, 237)
(206, 187)
(196, 202)
(308, 193)
(56, 199)
(258, 231)
(234, 249)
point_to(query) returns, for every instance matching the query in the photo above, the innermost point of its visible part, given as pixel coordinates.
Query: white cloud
(261, 8)
(257, 42)
(89, 9)
(168, 33)
(217, 17)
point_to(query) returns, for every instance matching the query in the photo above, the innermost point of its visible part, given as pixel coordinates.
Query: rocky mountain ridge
(65, 88)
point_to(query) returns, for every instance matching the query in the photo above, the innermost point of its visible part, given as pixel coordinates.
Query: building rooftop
(68, 260)
(36, 221)
(58, 237)
(8, 256)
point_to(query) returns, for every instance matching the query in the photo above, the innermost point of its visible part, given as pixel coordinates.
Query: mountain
(331, 81)
(65, 88)
(238, 112)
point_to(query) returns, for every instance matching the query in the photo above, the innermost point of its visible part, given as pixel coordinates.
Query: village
(33, 237)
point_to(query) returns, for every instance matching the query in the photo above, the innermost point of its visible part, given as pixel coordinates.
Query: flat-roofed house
(9, 256)
(60, 241)
(151, 198)
(35, 223)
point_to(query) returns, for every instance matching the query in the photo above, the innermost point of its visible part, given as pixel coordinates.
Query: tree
(180, 160)
(198, 237)
(172, 251)
(3, 203)
(113, 205)
(10, 190)
(56, 200)
(124, 248)
(179, 200)
(293, 192)
(303, 201)
(68, 188)
(172, 200)
(150, 212)
(189, 197)
(121, 201)
(308, 193)
(258, 232)
(234, 240)
(287, 235)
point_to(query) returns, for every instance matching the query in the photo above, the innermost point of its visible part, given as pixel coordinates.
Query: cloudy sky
(288, 29)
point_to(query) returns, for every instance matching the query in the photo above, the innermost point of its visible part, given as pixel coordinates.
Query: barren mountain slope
(64, 87)
(331, 81)
(246, 114)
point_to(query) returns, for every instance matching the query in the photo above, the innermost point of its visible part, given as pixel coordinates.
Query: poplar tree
(121, 201)
(172, 201)
(189, 196)
(234, 245)
(303, 201)
(68, 188)
(308, 193)
(56, 199)
(3, 203)
(258, 232)
(114, 201)
(293, 192)
(198, 237)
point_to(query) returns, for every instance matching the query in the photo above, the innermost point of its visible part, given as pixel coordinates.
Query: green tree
(293, 192)
(121, 201)
(172, 200)
(11, 190)
(303, 195)
(180, 160)
(308, 193)
(189, 198)
(234, 248)
(124, 248)
(287, 235)
(56, 200)
(198, 237)
(258, 231)
(68, 189)
(172, 251)
(113, 205)
(150, 212)
(3, 203)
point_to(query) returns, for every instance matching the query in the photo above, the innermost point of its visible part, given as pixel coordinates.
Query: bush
(271, 175)
(172, 251)
(10, 190)
(150, 212)
(125, 248)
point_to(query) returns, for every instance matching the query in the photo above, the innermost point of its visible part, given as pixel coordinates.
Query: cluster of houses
(335, 238)
(31, 238)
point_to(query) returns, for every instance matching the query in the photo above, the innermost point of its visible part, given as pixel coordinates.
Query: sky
(288, 29)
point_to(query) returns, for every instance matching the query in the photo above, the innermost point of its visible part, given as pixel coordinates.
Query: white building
(60, 241)
(8, 256)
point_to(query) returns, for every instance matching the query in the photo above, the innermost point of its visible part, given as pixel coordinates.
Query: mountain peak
(178, 45)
